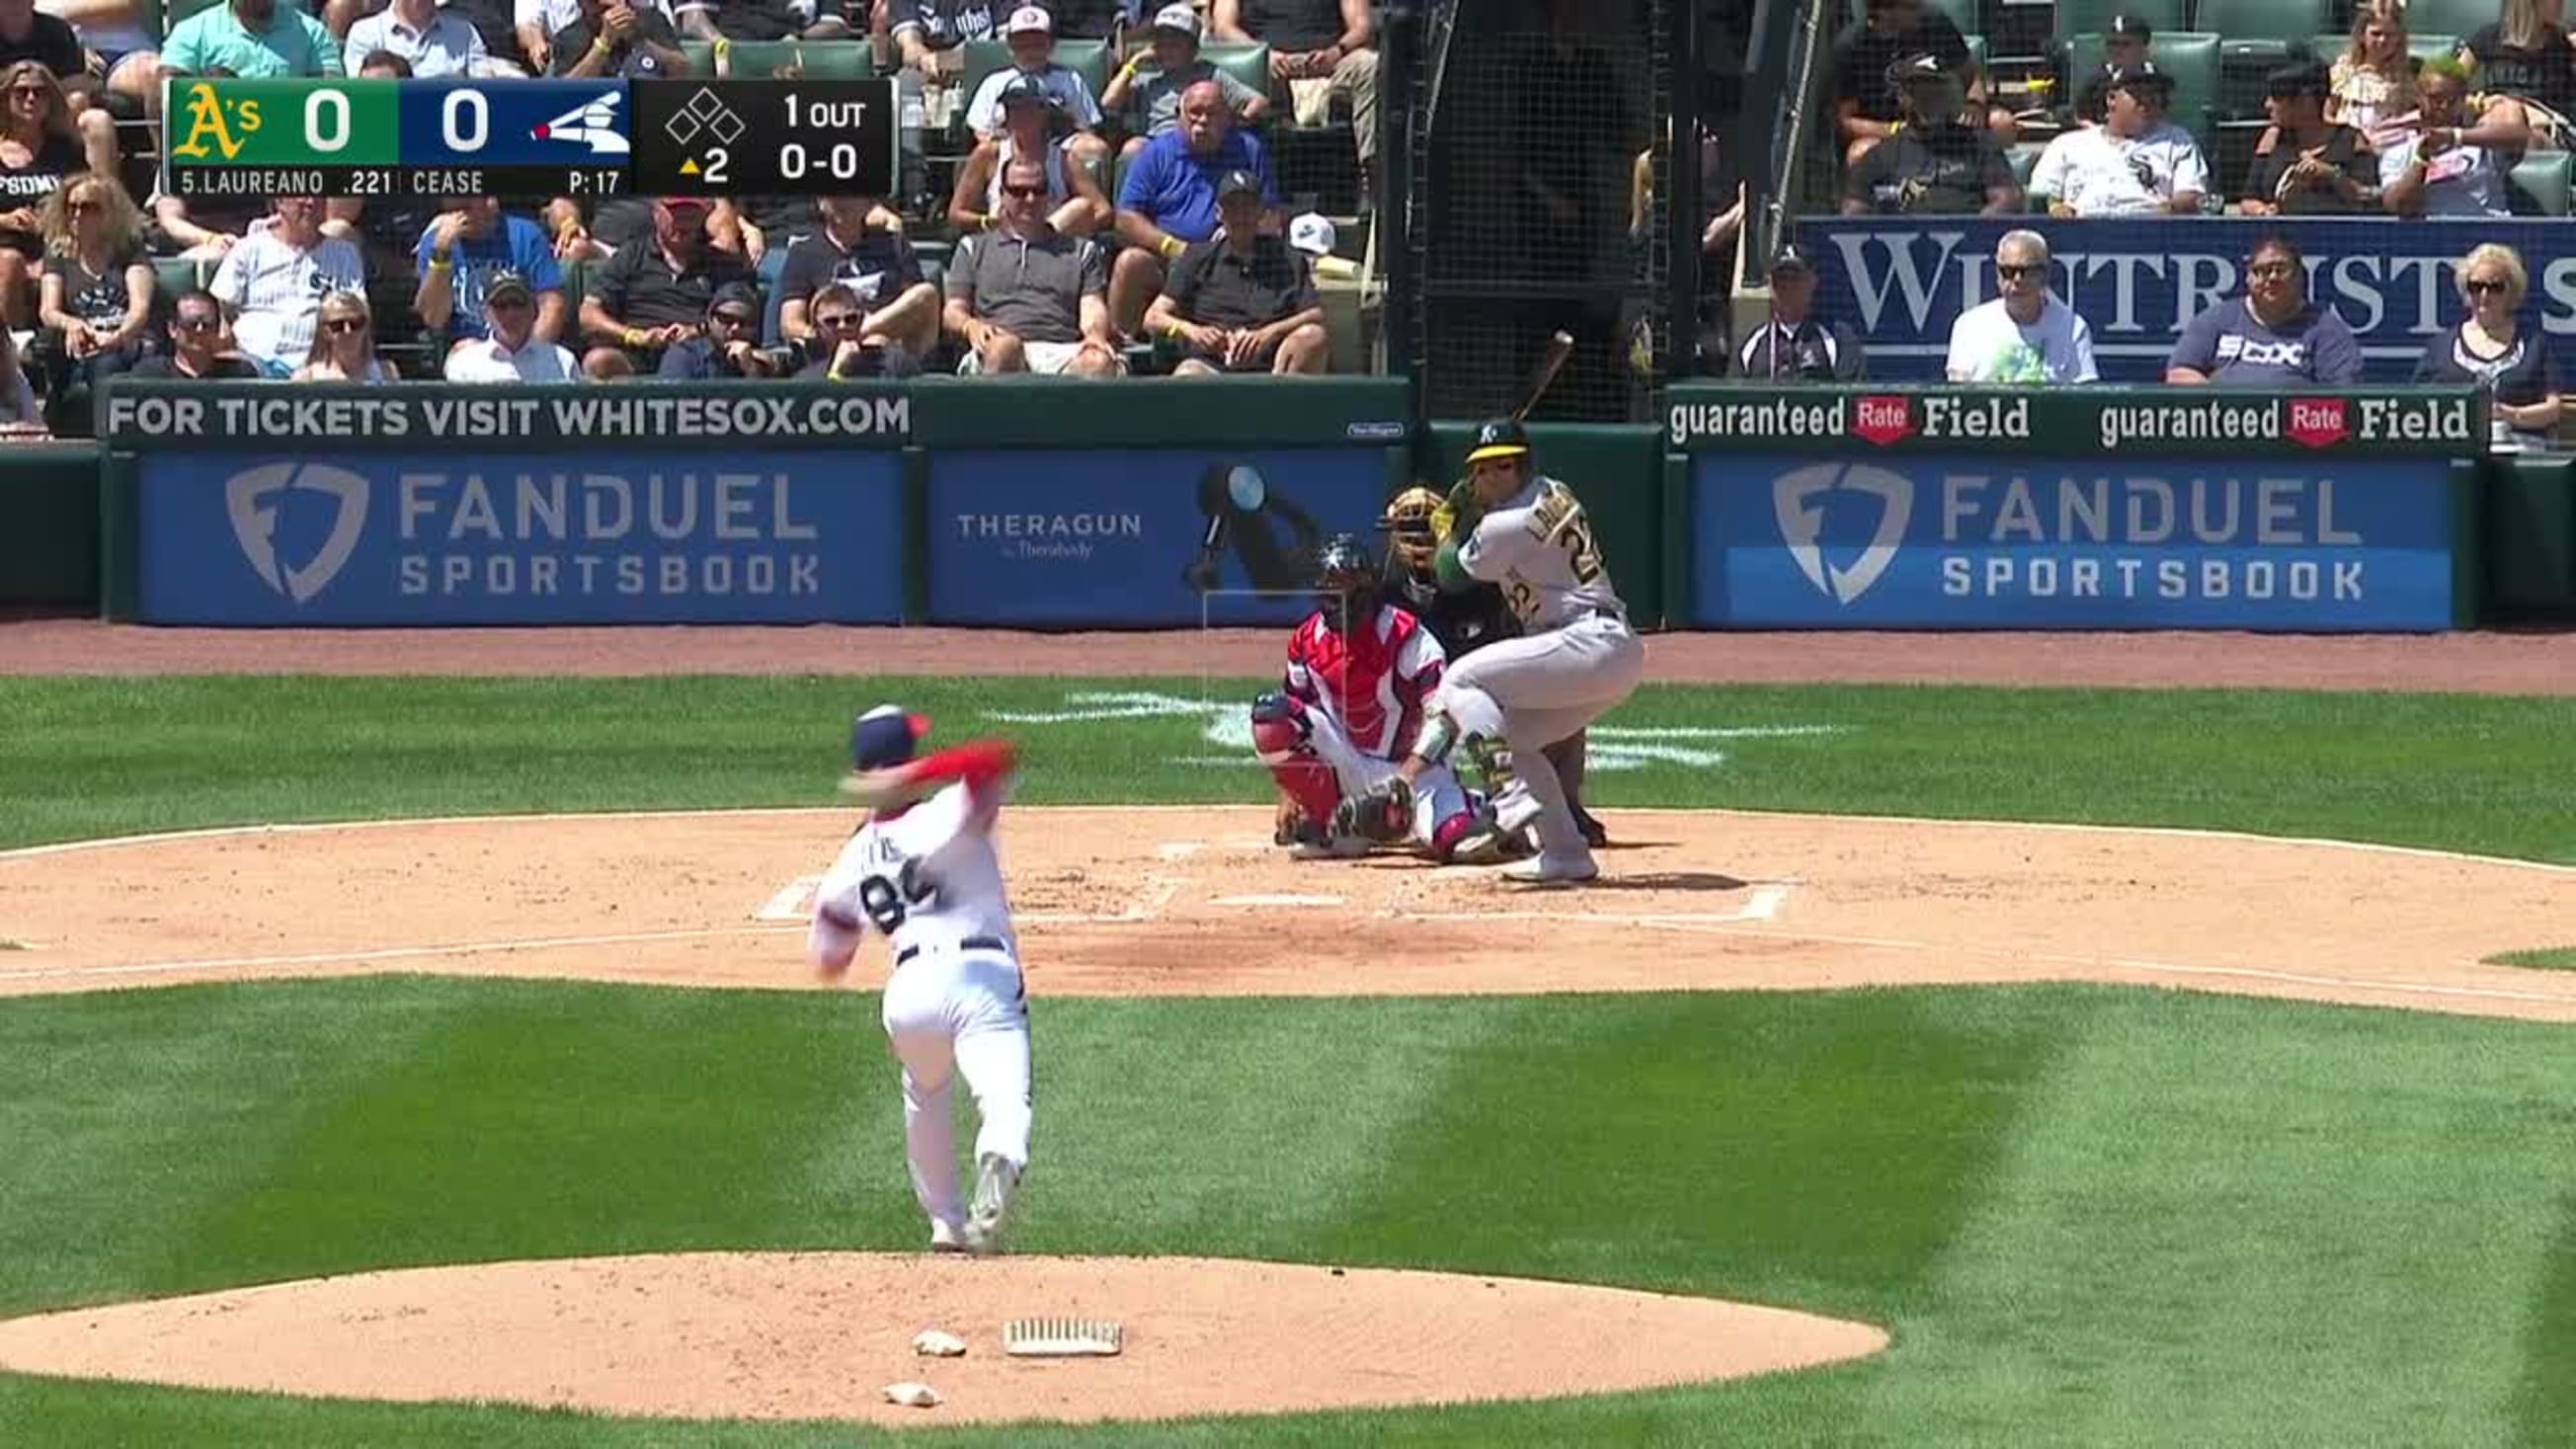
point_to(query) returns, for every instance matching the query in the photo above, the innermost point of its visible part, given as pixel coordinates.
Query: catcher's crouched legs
(1311, 793)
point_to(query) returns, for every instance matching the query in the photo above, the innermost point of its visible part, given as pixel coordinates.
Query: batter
(923, 872)
(1577, 657)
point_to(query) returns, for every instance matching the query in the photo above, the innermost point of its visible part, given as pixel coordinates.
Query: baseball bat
(1550, 363)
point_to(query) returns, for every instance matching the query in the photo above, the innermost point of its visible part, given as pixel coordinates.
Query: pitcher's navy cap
(883, 737)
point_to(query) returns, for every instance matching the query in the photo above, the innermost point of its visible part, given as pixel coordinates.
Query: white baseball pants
(1437, 796)
(952, 1013)
(1540, 688)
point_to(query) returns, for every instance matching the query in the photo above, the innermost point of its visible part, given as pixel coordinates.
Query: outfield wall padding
(49, 524)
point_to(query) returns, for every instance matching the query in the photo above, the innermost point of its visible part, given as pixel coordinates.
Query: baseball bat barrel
(1559, 348)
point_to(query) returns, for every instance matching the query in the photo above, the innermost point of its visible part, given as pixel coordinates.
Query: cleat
(1515, 810)
(995, 1180)
(1311, 843)
(1553, 870)
(947, 1237)
(1595, 834)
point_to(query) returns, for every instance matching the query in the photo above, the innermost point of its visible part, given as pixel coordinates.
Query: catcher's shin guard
(1279, 738)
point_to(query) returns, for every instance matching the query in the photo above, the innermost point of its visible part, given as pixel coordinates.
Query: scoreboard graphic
(578, 138)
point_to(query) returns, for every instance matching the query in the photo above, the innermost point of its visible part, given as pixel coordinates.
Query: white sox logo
(1802, 522)
(252, 499)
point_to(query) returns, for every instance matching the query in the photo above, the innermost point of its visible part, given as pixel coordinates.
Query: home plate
(1264, 902)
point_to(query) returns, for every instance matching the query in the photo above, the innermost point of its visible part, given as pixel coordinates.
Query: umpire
(1465, 620)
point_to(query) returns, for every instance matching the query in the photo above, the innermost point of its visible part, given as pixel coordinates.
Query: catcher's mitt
(1383, 815)
(1412, 529)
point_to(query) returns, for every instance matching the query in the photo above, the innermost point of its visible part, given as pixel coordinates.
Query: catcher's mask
(1346, 579)
(1411, 536)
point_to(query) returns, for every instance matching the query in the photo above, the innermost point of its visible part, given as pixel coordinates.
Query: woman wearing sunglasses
(344, 344)
(96, 297)
(2490, 348)
(40, 149)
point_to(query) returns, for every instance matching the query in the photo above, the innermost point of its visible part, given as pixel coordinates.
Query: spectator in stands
(1076, 205)
(932, 34)
(252, 39)
(510, 349)
(2491, 349)
(757, 20)
(2025, 335)
(125, 37)
(876, 266)
(435, 43)
(1031, 35)
(2273, 336)
(27, 34)
(1319, 49)
(41, 147)
(1146, 92)
(201, 345)
(1793, 346)
(1872, 69)
(2125, 42)
(460, 253)
(1937, 164)
(22, 419)
(1169, 199)
(1243, 300)
(844, 351)
(98, 285)
(534, 24)
(274, 281)
(2304, 165)
(614, 37)
(656, 290)
(344, 344)
(2373, 81)
(731, 346)
(2136, 163)
(1026, 297)
(2454, 162)
(2527, 54)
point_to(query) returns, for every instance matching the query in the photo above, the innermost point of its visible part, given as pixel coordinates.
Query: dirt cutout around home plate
(819, 1336)
(1196, 901)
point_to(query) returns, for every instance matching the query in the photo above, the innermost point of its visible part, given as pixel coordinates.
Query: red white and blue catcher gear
(1346, 714)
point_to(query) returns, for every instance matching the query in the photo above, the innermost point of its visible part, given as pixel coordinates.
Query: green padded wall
(49, 524)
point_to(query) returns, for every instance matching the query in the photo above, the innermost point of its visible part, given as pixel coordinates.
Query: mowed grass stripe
(124, 1115)
(108, 756)
(2545, 1407)
(2249, 1223)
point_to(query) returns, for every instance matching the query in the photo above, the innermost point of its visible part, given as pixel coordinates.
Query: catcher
(1359, 671)
(1466, 618)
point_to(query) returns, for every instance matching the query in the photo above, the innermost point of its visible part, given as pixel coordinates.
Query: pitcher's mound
(819, 1335)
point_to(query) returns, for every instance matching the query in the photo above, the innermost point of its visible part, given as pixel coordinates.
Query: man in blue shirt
(1169, 199)
(464, 249)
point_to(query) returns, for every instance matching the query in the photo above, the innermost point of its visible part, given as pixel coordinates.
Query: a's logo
(212, 128)
(254, 499)
(1883, 420)
(1798, 499)
(2319, 422)
(592, 123)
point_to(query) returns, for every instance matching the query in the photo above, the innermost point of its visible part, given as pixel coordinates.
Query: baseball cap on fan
(1030, 17)
(1180, 19)
(1312, 233)
(884, 737)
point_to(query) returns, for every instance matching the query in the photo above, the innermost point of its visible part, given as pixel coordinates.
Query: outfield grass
(108, 756)
(2562, 958)
(2089, 1215)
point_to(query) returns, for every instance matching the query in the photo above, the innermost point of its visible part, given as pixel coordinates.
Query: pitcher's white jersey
(1539, 547)
(927, 877)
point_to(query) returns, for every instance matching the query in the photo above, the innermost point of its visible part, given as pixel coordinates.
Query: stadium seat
(2092, 17)
(2542, 182)
(2190, 57)
(1249, 64)
(821, 59)
(2261, 32)
(2452, 17)
(1090, 58)
(702, 56)
(1968, 15)
(1977, 52)
(2024, 156)
(175, 11)
(173, 275)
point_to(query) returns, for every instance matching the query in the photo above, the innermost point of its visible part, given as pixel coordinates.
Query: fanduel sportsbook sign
(2072, 422)
(2209, 542)
(1901, 281)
